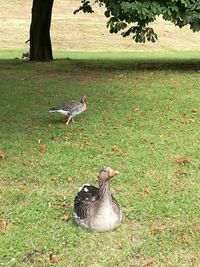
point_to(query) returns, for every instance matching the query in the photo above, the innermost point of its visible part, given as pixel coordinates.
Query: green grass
(143, 114)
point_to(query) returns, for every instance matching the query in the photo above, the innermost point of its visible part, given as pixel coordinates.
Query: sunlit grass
(142, 119)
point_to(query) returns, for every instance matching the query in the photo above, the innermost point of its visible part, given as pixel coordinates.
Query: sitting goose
(95, 208)
(71, 108)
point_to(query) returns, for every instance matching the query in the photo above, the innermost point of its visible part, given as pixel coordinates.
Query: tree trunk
(40, 41)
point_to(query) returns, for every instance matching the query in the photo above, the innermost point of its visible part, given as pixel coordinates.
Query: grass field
(142, 120)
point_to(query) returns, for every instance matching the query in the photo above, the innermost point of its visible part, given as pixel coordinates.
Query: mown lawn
(143, 119)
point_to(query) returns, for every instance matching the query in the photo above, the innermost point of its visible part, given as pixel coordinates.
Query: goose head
(106, 174)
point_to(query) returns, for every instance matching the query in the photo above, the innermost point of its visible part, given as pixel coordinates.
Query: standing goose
(71, 108)
(95, 208)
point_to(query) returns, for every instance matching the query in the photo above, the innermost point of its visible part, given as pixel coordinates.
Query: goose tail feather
(52, 110)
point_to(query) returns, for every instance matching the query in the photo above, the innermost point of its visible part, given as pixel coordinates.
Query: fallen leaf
(84, 144)
(42, 148)
(3, 224)
(116, 127)
(147, 263)
(181, 160)
(145, 191)
(2, 155)
(196, 228)
(65, 217)
(146, 139)
(158, 229)
(116, 149)
(31, 162)
(190, 120)
(36, 127)
(185, 239)
(120, 246)
(54, 179)
(176, 182)
(54, 258)
(181, 171)
(24, 189)
(140, 262)
(194, 110)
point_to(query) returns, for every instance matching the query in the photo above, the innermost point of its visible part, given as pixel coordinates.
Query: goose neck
(104, 191)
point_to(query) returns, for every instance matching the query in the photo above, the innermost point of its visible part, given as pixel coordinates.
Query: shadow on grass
(138, 65)
(106, 64)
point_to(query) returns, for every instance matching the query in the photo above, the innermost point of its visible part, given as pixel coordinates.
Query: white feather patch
(63, 112)
(85, 189)
(83, 186)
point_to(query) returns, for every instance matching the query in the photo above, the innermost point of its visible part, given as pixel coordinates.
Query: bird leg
(68, 120)
(72, 119)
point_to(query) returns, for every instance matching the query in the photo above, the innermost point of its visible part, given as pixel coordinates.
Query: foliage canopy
(133, 16)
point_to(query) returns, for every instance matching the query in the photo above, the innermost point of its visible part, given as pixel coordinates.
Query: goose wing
(67, 106)
(85, 197)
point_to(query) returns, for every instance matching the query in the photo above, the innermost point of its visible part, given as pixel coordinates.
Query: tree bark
(40, 41)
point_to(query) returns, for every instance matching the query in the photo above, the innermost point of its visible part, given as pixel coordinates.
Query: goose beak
(113, 173)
